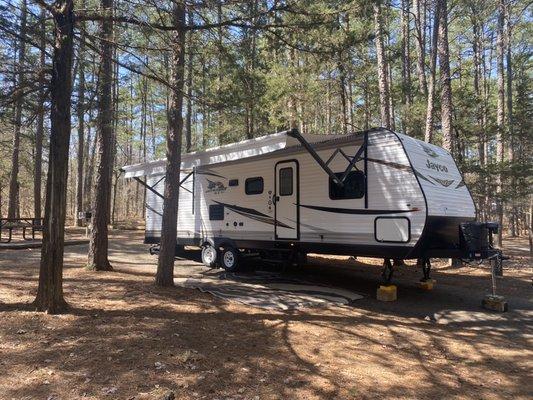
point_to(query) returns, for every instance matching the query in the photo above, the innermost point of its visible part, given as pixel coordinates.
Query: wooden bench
(26, 224)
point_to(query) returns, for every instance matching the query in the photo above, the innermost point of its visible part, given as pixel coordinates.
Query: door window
(285, 182)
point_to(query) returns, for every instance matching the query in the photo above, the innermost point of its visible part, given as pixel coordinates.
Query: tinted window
(285, 182)
(253, 185)
(216, 212)
(354, 186)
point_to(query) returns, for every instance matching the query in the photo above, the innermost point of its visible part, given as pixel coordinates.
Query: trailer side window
(354, 186)
(216, 212)
(285, 182)
(253, 185)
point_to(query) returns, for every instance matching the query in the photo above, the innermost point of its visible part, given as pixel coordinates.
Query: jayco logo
(436, 167)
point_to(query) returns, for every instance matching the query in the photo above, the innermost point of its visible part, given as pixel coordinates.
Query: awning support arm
(150, 188)
(355, 158)
(324, 165)
(295, 134)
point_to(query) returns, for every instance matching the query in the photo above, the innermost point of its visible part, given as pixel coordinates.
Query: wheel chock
(428, 284)
(386, 293)
(494, 303)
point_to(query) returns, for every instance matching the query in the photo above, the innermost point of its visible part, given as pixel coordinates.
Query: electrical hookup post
(86, 217)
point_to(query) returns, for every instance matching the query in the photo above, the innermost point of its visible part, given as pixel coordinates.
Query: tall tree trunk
(530, 226)
(114, 112)
(480, 126)
(367, 105)
(420, 28)
(13, 207)
(500, 116)
(190, 50)
(50, 291)
(81, 121)
(389, 89)
(510, 123)
(98, 248)
(342, 90)
(39, 130)
(292, 104)
(253, 65)
(406, 64)
(91, 157)
(446, 81)
(384, 100)
(220, 73)
(204, 110)
(165, 265)
(428, 136)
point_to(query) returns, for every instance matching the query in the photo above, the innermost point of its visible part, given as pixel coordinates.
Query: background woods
(455, 72)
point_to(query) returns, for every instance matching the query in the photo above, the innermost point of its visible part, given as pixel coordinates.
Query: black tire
(301, 259)
(209, 256)
(180, 250)
(230, 259)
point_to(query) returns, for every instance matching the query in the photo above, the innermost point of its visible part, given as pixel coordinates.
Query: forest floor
(126, 339)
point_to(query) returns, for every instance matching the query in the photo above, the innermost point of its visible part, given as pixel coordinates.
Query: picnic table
(26, 224)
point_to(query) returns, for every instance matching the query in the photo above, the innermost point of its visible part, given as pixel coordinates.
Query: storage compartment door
(392, 229)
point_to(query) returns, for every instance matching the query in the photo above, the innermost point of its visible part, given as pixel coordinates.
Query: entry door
(286, 200)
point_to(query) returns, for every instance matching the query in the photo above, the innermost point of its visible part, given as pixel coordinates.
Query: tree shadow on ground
(124, 334)
(207, 348)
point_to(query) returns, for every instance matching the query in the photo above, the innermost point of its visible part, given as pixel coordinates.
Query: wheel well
(219, 242)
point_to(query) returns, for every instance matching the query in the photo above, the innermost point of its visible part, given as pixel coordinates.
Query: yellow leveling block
(386, 293)
(428, 284)
(494, 303)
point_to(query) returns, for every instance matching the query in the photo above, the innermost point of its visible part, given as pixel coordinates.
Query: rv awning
(230, 152)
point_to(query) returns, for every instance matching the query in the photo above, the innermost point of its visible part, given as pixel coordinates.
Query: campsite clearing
(124, 338)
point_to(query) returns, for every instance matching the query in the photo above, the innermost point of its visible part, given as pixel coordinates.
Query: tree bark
(50, 291)
(446, 81)
(190, 50)
(165, 265)
(510, 122)
(91, 159)
(342, 90)
(384, 100)
(39, 130)
(81, 120)
(251, 99)
(500, 116)
(406, 64)
(389, 89)
(13, 207)
(480, 126)
(98, 248)
(428, 136)
(420, 27)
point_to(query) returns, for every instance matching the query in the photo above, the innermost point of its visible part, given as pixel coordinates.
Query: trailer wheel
(229, 258)
(301, 259)
(180, 250)
(209, 256)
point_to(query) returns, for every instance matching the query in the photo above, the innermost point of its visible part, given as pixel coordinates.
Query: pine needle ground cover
(126, 339)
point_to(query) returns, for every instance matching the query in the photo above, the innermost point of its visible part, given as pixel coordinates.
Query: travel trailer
(376, 193)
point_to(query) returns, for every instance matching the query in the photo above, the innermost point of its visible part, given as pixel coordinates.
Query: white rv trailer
(376, 193)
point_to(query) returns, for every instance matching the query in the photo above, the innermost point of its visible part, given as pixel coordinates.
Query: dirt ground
(126, 339)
